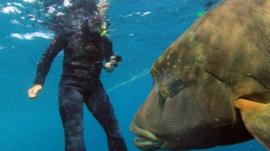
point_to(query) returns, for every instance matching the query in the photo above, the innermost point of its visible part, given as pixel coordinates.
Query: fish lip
(142, 132)
(145, 140)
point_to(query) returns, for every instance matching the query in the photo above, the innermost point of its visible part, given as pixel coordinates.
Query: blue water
(140, 30)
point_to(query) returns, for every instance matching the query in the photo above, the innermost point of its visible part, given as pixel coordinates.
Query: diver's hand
(108, 66)
(33, 91)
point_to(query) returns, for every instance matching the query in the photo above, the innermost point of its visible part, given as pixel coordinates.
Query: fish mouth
(145, 140)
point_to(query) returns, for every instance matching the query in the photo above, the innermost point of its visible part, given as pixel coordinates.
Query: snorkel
(104, 29)
(102, 7)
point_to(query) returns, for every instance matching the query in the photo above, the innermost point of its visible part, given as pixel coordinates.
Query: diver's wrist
(39, 86)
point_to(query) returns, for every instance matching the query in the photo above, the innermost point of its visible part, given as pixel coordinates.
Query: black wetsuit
(80, 83)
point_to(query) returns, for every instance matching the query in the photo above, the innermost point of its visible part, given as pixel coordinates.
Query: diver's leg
(71, 111)
(98, 103)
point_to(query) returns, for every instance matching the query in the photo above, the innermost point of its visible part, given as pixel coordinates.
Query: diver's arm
(44, 64)
(108, 52)
(46, 59)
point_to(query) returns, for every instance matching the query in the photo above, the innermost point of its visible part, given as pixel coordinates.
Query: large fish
(212, 85)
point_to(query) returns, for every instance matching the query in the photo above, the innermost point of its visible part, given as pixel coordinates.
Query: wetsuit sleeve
(47, 57)
(108, 50)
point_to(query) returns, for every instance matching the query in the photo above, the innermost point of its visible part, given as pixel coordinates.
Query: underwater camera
(115, 60)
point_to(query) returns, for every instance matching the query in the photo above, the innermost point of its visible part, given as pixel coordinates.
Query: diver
(86, 53)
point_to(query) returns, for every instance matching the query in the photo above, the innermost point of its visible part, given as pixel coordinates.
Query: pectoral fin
(256, 117)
